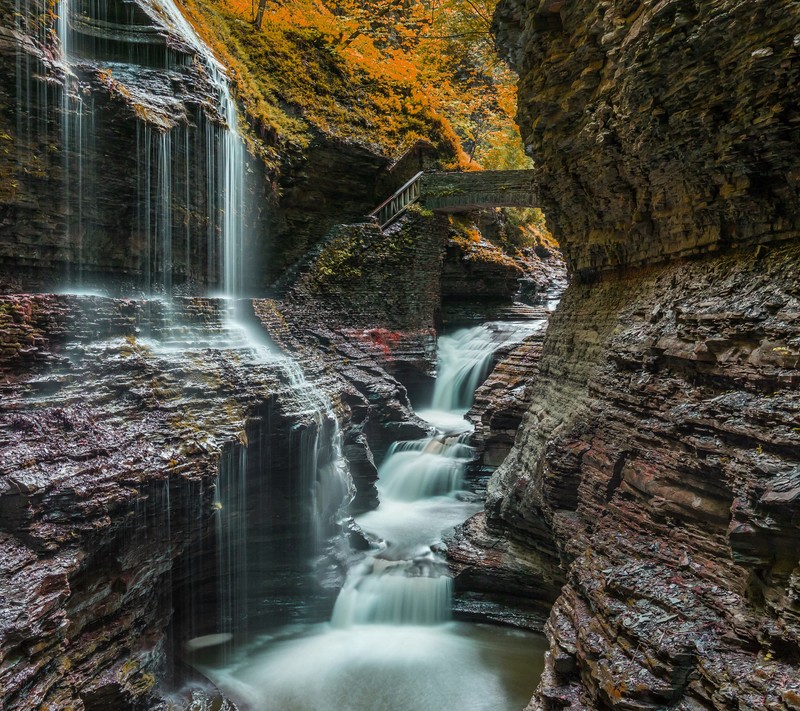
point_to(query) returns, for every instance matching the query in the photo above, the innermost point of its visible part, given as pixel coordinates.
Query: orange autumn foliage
(381, 73)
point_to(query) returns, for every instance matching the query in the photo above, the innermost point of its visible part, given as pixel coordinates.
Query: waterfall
(73, 139)
(391, 642)
(465, 359)
(167, 161)
(231, 533)
(164, 208)
(424, 468)
(405, 592)
(311, 496)
(188, 188)
(230, 165)
(407, 583)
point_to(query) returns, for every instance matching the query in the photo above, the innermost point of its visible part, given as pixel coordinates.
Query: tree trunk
(262, 5)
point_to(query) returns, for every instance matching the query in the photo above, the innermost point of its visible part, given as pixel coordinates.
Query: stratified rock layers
(658, 128)
(660, 460)
(120, 422)
(659, 463)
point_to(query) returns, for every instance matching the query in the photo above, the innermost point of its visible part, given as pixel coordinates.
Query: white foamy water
(413, 526)
(406, 583)
(381, 667)
(390, 594)
(422, 469)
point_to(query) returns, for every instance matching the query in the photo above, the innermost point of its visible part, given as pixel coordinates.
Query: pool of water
(448, 667)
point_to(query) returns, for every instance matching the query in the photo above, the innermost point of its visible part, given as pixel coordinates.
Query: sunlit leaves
(410, 61)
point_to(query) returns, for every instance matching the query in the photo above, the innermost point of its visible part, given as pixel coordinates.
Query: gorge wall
(659, 129)
(653, 490)
(119, 443)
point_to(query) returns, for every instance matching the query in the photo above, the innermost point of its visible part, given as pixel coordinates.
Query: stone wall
(382, 288)
(332, 183)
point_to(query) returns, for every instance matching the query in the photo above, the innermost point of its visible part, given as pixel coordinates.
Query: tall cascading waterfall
(253, 502)
(276, 510)
(184, 225)
(230, 163)
(391, 642)
(72, 118)
(282, 487)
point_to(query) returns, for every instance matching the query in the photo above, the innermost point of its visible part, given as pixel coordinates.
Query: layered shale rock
(654, 474)
(503, 398)
(652, 467)
(474, 268)
(123, 425)
(381, 289)
(658, 128)
(380, 410)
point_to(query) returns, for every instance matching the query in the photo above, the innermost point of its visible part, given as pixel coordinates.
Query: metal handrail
(395, 205)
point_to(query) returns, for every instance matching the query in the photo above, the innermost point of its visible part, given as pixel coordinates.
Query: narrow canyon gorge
(394, 355)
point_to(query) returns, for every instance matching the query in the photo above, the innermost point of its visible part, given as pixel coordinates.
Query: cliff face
(659, 465)
(136, 438)
(655, 474)
(659, 128)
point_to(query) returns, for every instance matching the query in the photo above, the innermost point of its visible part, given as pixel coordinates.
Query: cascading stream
(418, 475)
(391, 643)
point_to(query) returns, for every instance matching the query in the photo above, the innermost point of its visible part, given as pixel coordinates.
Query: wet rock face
(478, 270)
(117, 418)
(380, 289)
(658, 128)
(378, 403)
(502, 400)
(499, 580)
(110, 162)
(658, 462)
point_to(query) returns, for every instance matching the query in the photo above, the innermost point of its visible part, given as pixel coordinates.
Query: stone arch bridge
(460, 192)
